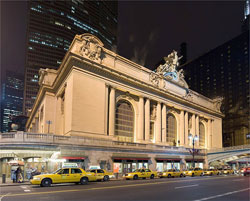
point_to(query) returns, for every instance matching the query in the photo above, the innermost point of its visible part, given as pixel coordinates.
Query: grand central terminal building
(100, 109)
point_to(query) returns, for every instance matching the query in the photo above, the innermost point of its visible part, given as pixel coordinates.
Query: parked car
(228, 171)
(171, 173)
(140, 173)
(195, 172)
(102, 174)
(246, 171)
(64, 175)
(209, 172)
(216, 172)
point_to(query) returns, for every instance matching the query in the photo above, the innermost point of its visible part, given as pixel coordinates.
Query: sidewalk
(9, 182)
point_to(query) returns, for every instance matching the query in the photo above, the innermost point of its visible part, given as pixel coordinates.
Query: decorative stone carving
(155, 79)
(169, 72)
(91, 47)
(217, 103)
(189, 95)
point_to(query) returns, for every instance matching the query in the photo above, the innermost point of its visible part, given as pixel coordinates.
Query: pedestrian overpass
(228, 154)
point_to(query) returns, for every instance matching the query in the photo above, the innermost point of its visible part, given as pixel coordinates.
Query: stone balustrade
(36, 138)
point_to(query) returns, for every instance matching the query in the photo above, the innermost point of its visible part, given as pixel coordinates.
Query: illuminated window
(171, 129)
(124, 119)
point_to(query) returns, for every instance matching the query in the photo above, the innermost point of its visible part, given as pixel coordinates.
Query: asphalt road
(195, 189)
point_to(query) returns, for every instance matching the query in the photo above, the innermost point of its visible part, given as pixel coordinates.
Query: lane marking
(23, 187)
(26, 190)
(186, 186)
(112, 187)
(2, 196)
(238, 180)
(224, 194)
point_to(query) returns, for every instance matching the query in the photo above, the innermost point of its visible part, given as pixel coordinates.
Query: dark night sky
(150, 30)
(147, 30)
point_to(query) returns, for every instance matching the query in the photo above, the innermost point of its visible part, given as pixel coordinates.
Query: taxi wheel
(211, 174)
(135, 177)
(84, 180)
(218, 173)
(181, 175)
(152, 176)
(169, 175)
(144, 178)
(46, 183)
(192, 174)
(201, 174)
(106, 178)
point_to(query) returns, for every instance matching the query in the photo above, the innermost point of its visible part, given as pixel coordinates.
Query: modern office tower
(183, 53)
(51, 28)
(224, 71)
(11, 99)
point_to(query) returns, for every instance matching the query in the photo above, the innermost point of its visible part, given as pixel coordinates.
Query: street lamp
(193, 138)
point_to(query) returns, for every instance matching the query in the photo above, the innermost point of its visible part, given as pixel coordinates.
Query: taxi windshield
(136, 170)
(58, 170)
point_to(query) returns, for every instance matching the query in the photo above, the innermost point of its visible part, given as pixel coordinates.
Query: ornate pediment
(91, 47)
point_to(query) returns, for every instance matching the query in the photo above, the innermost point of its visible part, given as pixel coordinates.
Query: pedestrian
(19, 175)
(13, 175)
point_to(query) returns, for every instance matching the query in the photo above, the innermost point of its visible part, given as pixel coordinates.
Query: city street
(233, 187)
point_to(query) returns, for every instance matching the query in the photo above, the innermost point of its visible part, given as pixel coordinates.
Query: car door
(176, 173)
(100, 174)
(142, 173)
(65, 176)
(148, 173)
(76, 175)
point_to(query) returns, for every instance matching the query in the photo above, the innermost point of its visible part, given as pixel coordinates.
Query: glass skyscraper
(224, 71)
(11, 99)
(51, 28)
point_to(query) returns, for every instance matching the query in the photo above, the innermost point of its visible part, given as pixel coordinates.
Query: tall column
(193, 127)
(208, 134)
(147, 119)
(112, 111)
(106, 108)
(197, 129)
(186, 128)
(181, 129)
(140, 120)
(158, 123)
(164, 123)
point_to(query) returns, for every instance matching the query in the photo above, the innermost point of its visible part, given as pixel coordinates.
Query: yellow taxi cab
(216, 171)
(195, 172)
(64, 175)
(140, 173)
(228, 171)
(171, 173)
(102, 174)
(209, 172)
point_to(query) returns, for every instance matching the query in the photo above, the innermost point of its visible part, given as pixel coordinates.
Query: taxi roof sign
(70, 165)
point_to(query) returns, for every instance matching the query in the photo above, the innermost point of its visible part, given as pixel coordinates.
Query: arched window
(202, 134)
(171, 129)
(124, 119)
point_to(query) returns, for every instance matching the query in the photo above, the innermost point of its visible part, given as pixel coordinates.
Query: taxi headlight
(190, 172)
(37, 178)
(130, 175)
(164, 173)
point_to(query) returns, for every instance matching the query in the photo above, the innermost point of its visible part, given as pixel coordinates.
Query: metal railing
(233, 148)
(38, 138)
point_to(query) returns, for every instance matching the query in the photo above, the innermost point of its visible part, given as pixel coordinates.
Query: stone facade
(81, 97)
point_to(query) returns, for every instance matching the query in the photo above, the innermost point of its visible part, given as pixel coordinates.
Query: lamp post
(193, 138)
